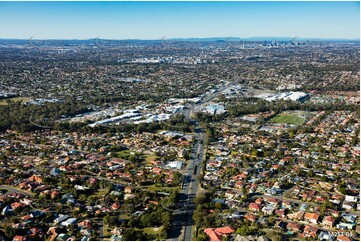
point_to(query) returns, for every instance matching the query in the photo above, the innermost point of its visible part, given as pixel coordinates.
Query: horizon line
(190, 38)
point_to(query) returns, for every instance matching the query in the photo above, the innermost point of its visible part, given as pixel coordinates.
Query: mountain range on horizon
(206, 39)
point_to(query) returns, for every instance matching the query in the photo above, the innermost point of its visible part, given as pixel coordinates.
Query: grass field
(149, 158)
(154, 188)
(288, 119)
(107, 230)
(14, 99)
(153, 230)
(124, 154)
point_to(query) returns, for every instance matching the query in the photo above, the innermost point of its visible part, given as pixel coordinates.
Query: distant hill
(210, 39)
(260, 39)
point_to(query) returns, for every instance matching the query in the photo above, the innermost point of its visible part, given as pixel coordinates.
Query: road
(183, 216)
(12, 189)
(182, 227)
(192, 187)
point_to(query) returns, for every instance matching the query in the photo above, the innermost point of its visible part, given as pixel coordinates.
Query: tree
(343, 190)
(218, 205)
(177, 178)
(245, 230)
(202, 237)
(199, 200)
(146, 220)
(198, 216)
(113, 220)
(255, 152)
(9, 231)
(106, 219)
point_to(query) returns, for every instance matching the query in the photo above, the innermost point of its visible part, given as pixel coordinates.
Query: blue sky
(153, 20)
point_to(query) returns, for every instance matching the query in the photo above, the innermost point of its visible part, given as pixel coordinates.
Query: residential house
(297, 215)
(312, 217)
(326, 236)
(230, 194)
(328, 221)
(343, 238)
(303, 207)
(343, 225)
(272, 200)
(218, 233)
(128, 189)
(333, 213)
(286, 204)
(16, 205)
(250, 217)
(294, 227)
(19, 238)
(254, 207)
(349, 217)
(116, 205)
(259, 200)
(310, 231)
(351, 198)
(268, 210)
(348, 205)
(280, 213)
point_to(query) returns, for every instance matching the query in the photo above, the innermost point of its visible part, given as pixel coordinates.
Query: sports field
(288, 119)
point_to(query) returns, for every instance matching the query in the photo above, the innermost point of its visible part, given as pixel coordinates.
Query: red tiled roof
(254, 206)
(213, 235)
(343, 238)
(250, 217)
(19, 238)
(225, 230)
(310, 216)
(216, 234)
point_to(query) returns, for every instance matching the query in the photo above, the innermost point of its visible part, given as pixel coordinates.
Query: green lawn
(124, 154)
(107, 231)
(288, 119)
(153, 230)
(100, 192)
(149, 158)
(124, 216)
(154, 188)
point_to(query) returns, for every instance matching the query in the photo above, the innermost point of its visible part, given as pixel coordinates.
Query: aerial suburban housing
(199, 139)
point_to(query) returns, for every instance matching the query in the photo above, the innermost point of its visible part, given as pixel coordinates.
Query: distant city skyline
(153, 20)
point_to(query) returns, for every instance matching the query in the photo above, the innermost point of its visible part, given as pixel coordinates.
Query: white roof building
(175, 164)
(294, 96)
(68, 222)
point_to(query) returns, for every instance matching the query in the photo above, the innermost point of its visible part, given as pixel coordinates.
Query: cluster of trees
(212, 134)
(136, 235)
(21, 117)
(178, 122)
(208, 118)
(157, 217)
(245, 230)
(200, 217)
